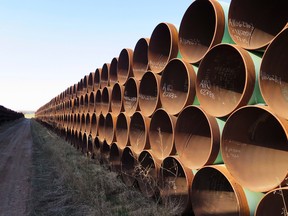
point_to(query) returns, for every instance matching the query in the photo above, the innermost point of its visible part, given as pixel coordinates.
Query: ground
(15, 168)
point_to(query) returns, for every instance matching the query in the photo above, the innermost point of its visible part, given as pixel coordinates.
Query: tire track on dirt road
(15, 168)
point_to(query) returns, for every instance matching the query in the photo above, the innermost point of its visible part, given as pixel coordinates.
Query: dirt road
(15, 167)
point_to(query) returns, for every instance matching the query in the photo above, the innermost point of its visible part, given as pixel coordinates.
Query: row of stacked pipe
(9, 115)
(197, 117)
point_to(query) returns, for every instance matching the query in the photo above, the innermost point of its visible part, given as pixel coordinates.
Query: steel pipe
(163, 46)
(98, 102)
(90, 85)
(138, 136)
(101, 128)
(202, 27)
(161, 134)
(129, 163)
(110, 128)
(105, 152)
(97, 79)
(113, 71)
(197, 138)
(273, 74)
(256, 32)
(140, 58)
(131, 96)
(117, 99)
(122, 130)
(106, 100)
(149, 99)
(148, 173)
(115, 157)
(215, 192)
(175, 183)
(125, 65)
(177, 86)
(88, 120)
(226, 80)
(91, 105)
(105, 75)
(273, 203)
(254, 148)
(94, 125)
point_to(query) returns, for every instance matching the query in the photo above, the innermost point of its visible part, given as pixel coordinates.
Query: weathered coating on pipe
(225, 80)
(122, 130)
(131, 96)
(101, 127)
(125, 65)
(140, 58)
(97, 79)
(177, 86)
(148, 173)
(256, 32)
(105, 75)
(273, 203)
(113, 71)
(175, 183)
(138, 136)
(98, 102)
(110, 128)
(117, 99)
(106, 100)
(197, 137)
(115, 157)
(128, 164)
(215, 192)
(202, 27)
(161, 134)
(254, 148)
(149, 99)
(273, 74)
(163, 46)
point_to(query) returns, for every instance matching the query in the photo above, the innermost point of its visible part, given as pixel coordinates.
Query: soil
(15, 168)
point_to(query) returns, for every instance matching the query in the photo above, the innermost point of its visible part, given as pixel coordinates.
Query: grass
(65, 182)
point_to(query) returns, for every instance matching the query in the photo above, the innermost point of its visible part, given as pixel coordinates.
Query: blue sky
(48, 45)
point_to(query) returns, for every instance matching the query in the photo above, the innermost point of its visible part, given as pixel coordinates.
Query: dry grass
(65, 182)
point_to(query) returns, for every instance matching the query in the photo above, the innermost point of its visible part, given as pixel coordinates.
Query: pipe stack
(197, 118)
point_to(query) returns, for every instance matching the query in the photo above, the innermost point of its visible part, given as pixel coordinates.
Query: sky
(48, 45)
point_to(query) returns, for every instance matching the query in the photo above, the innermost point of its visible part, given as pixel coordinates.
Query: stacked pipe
(197, 118)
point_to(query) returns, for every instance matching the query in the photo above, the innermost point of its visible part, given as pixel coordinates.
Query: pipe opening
(94, 125)
(161, 134)
(163, 46)
(124, 67)
(138, 133)
(105, 75)
(149, 93)
(117, 99)
(197, 138)
(110, 128)
(140, 58)
(131, 96)
(254, 148)
(273, 75)
(225, 80)
(106, 101)
(97, 78)
(113, 71)
(175, 86)
(256, 32)
(212, 194)
(122, 131)
(98, 102)
(101, 127)
(128, 163)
